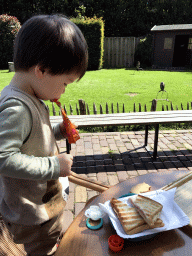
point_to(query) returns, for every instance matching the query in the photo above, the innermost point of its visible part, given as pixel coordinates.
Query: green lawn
(124, 86)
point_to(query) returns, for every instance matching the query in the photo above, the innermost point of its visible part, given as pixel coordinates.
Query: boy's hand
(65, 161)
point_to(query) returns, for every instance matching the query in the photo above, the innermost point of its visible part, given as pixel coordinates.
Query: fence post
(77, 110)
(117, 107)
(107, 108)
(82, 107)
(112, 110)
(154, 105)
(71, 110)
(53, 107)
(139, 107)
(65, 109)
(101, 109)
(88, 112)
(94, 109)
(123, 108)
(172, 106)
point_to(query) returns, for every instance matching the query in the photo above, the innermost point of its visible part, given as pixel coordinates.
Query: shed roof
(172, 27)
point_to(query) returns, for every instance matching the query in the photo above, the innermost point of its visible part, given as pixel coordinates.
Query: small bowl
(94, 213)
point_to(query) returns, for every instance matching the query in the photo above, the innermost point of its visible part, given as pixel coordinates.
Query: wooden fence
(84, 109)
(119, 51)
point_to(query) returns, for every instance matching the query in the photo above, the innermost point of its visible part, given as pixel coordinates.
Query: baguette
(149, 209)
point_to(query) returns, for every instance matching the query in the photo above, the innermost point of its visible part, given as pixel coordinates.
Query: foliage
(174, 12)
(80, 11)
(143, 53)
(9, 27)
(93, 30)
(24, 9)
(121, 17)
(137, 17)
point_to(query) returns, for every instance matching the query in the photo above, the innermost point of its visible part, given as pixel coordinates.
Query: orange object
(116, 243)
(72, 133)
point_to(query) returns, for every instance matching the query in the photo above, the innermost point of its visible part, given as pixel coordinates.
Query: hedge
(93, 30)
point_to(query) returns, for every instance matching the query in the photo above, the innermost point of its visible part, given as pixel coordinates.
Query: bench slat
(157, 117)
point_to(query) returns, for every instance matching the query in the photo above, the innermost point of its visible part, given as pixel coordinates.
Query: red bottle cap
(115, 243)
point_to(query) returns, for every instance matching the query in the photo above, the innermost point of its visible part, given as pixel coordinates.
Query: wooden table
(81, 241)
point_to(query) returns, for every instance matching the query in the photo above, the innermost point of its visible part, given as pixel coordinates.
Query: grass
(129, 87)
(111, 153)
(5, 78)
(124, 86)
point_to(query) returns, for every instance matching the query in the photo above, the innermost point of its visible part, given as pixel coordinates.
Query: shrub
(9, 27)
(143, 53)
(93, 31)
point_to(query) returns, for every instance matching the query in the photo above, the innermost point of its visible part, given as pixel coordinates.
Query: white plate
(172, 215)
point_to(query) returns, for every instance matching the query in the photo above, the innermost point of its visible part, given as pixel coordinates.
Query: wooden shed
(172, 45)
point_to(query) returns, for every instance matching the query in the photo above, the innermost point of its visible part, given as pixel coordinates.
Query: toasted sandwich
(149, 209)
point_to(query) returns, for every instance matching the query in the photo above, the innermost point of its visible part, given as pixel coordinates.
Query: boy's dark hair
(53, 42)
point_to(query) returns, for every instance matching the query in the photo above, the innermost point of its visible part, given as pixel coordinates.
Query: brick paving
(112, 157)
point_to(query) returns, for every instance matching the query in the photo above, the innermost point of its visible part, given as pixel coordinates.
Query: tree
(121, 17)
(173, 12)
(23, 9)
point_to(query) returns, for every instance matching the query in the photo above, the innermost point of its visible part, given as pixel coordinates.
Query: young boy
(50, 52)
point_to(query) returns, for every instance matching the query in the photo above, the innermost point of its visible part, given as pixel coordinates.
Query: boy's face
(51, 87)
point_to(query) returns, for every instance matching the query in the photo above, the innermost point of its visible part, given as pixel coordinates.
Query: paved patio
(113, 157)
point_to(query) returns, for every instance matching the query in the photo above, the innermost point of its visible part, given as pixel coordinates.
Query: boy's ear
(39, 72)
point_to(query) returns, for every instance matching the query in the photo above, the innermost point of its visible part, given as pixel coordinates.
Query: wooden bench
(137, 118)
